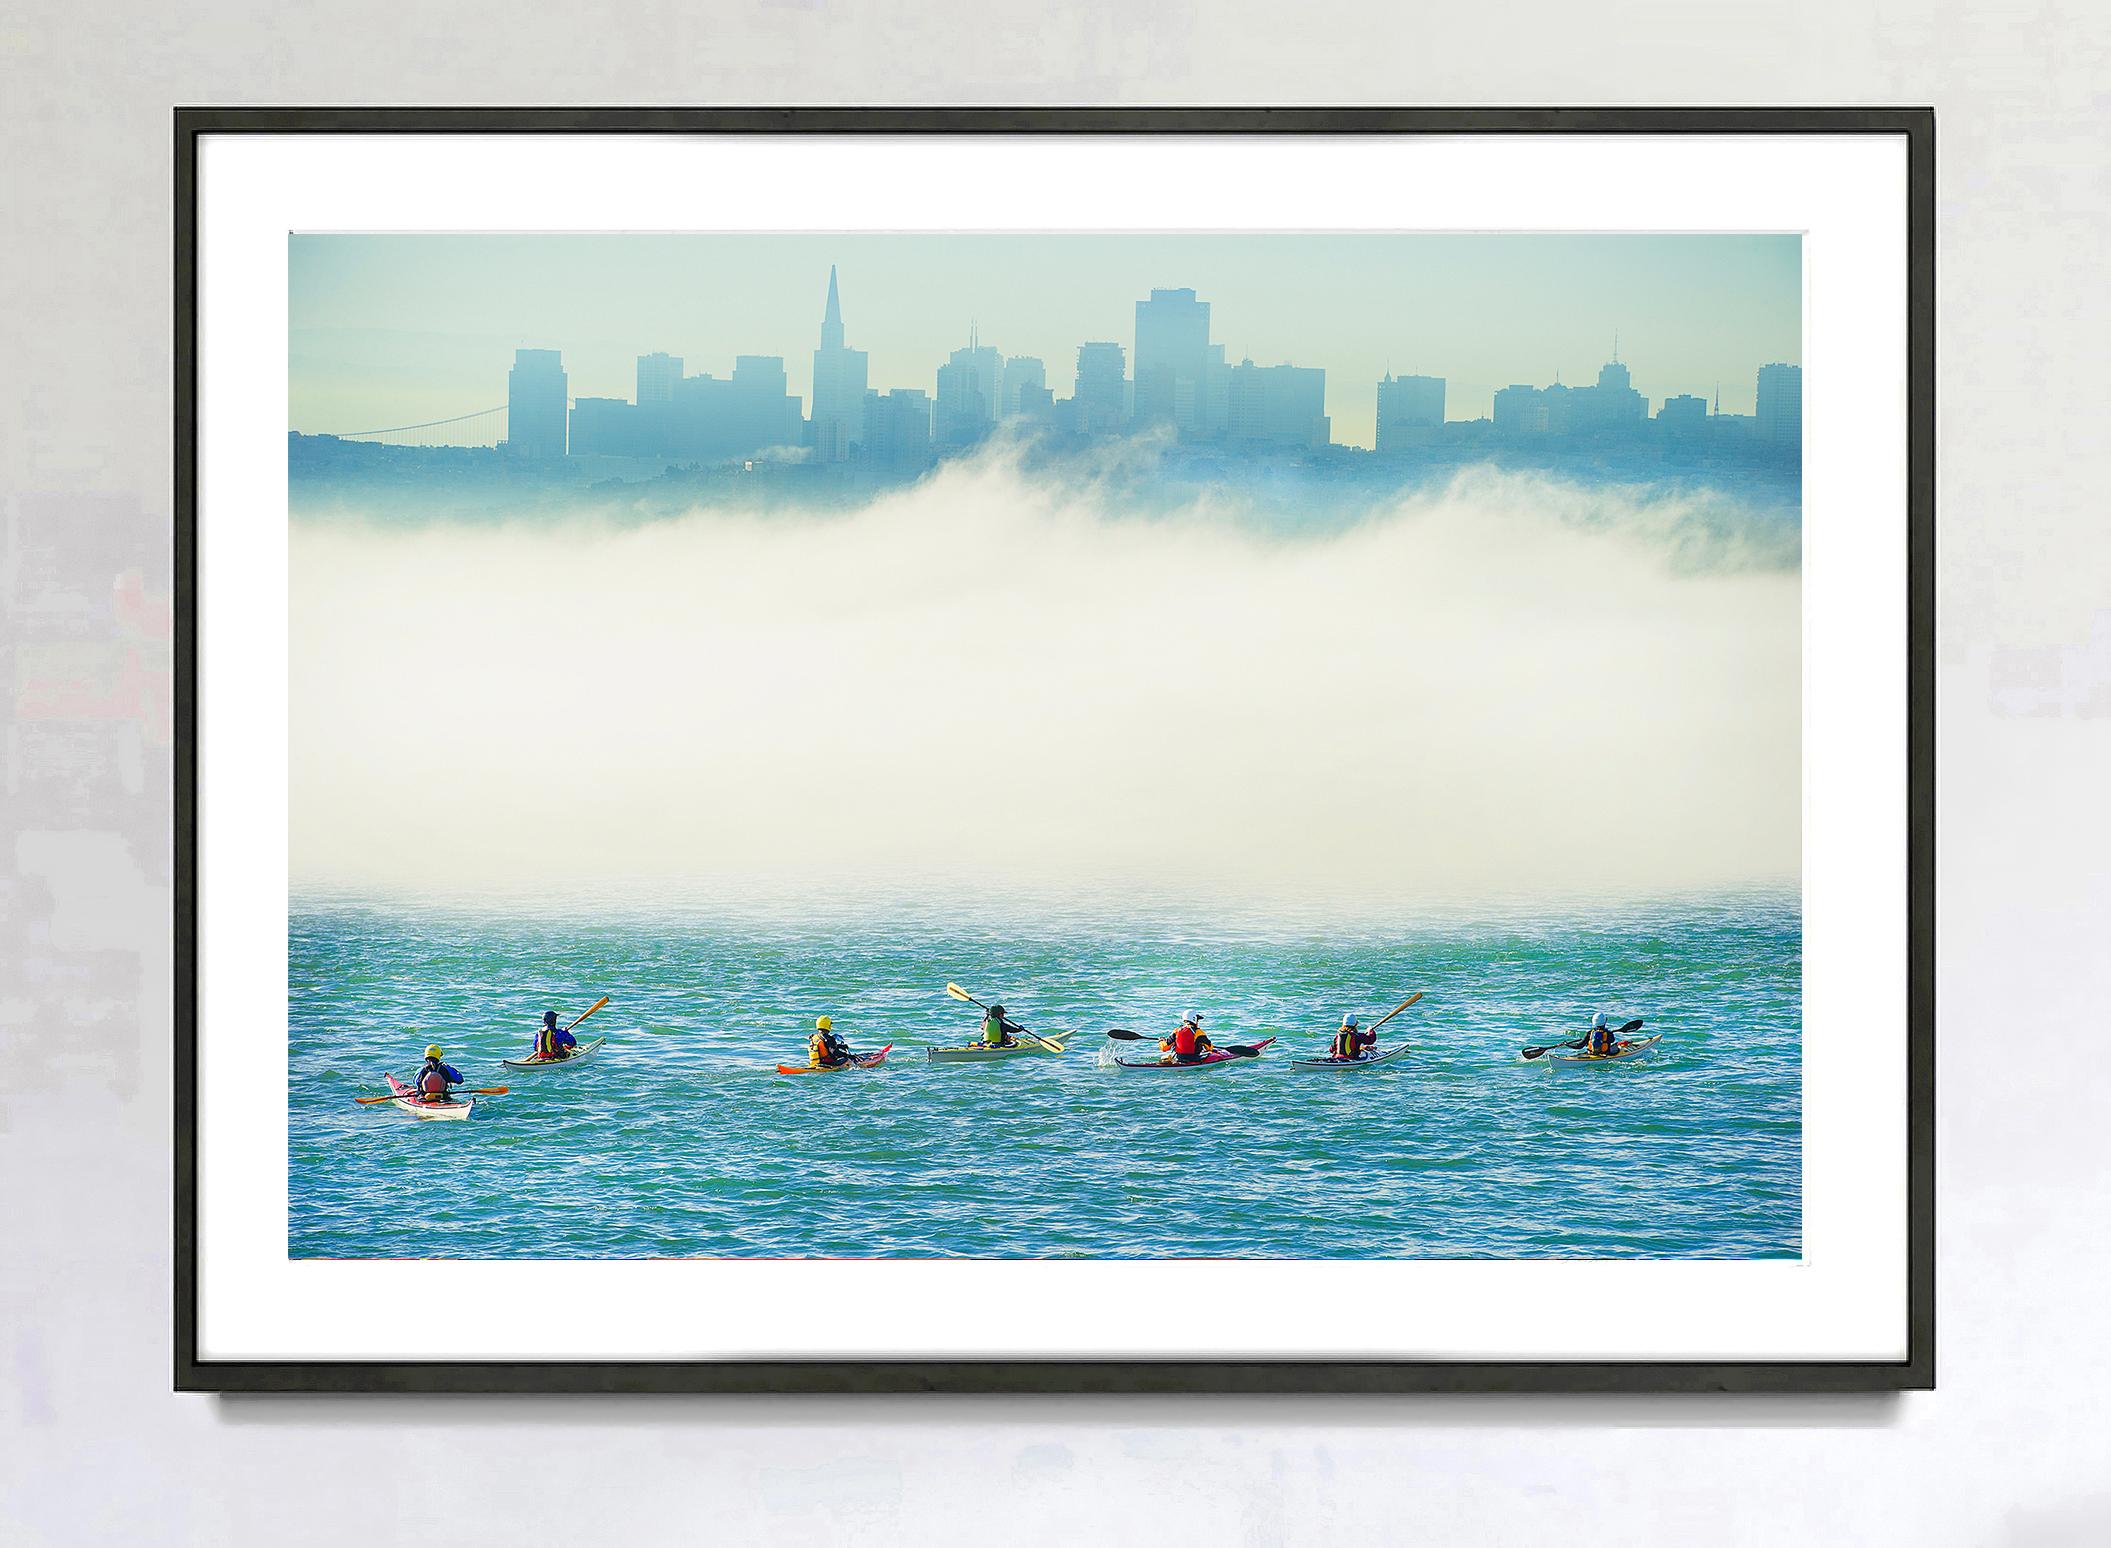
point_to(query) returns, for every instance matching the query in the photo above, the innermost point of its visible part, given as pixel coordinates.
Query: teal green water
(679, 1139)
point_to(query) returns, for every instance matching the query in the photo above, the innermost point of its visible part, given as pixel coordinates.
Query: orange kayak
(863, 1061)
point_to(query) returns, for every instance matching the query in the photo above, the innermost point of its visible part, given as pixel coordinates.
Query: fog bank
(1505, 685)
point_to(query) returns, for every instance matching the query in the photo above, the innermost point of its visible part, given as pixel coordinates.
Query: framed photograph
(1236, 750)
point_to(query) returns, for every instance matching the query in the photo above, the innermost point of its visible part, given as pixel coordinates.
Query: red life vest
(1184, 1041)
(432, 1084)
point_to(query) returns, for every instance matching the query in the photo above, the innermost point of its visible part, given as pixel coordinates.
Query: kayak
(1209, 1061)
(1633, 1048)
(1331, 1063)
(408, 1100)
(533, 1063)
(863, 1061)
(982, 1053)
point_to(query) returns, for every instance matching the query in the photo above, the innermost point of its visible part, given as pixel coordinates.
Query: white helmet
(1349, 1022)
(1194, 1018)
(1599, 1021)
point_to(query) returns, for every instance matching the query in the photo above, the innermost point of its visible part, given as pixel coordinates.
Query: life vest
(1602, 1041)
(1187, 1042)
(826, 1048)
(546, 1043)
(994, 1032)
(432, 1083)
(1348, 1043)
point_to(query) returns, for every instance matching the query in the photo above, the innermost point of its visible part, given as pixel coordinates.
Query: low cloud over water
(1501, 685)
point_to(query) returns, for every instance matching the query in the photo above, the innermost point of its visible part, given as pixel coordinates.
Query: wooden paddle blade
(587, 1012)
(959, 993)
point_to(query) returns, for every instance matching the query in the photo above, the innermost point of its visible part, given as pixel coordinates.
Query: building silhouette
(969, 387)
(536, 404)
(1173, 362)
(1683, 416)
(1021, 373)
(658, 375)
(1099, 397)
(1410, 411)
(1779, 411)
(839, 386)
(1279, 406)
(898, 429)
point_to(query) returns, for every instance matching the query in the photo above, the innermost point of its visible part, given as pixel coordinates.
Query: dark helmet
(549, 1018)
(996, 1010)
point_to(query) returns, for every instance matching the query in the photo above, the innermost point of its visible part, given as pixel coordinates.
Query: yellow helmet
(824, 1024)
(432, 1051)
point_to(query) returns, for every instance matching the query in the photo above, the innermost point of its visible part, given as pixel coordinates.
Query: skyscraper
(839, 386)
(1102, 388)
(898, 428)
(1780, 408)
(1020, 373)
(969, 385)
(537, 404)
(657, 375)
(1172, 360)
(1281, 405)
(1410, 410)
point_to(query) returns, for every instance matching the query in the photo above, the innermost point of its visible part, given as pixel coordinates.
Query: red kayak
(864, 1061)
(1209, 1061)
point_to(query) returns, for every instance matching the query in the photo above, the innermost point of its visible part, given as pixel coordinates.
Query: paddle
(537, 1053)
(1236, 1050)
(464, 1091)
(1396, 1010)
(1382, 1020)
(959, 993)
(1533, 1053)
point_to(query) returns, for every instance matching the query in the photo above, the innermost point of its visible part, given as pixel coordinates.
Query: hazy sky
(390, 330)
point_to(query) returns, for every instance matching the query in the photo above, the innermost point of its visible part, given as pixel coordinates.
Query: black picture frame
(1916, 126)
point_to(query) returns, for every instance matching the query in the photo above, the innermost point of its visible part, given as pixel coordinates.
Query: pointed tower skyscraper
(839, 386)
(832, 319)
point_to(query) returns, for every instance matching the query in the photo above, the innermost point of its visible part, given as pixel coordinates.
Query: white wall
(2012, 1448)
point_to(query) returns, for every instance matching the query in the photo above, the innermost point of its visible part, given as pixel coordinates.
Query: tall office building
(1020, 373)
(658, 375)
(1780, 409)
(1099, 398)
(1684, 415)
(839, 386)
(1172, 360)
(898, 428)
(1520, 410)
(720, 419)
(1410, 411)
(537, 404)
(1282, 405)
(970, 385)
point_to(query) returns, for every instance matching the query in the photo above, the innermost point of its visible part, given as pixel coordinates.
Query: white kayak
(982, 1053)
(1634, 1048)
(408, 1100)
(533, 1063)
(1362, 1062)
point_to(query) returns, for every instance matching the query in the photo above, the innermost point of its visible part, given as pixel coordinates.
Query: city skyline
(395, 329)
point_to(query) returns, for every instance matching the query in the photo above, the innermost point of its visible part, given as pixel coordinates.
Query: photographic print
(1360, 671)
(1059, 760)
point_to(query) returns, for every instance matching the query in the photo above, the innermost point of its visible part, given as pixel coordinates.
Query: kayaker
(997, 1029)
(434, 1079)
(1602, 1039)
(825, 1050)
(1351, 1040)
(1189, 1043)
(554, 1042)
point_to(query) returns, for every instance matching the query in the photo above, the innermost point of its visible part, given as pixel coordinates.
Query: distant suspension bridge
(485, 427)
